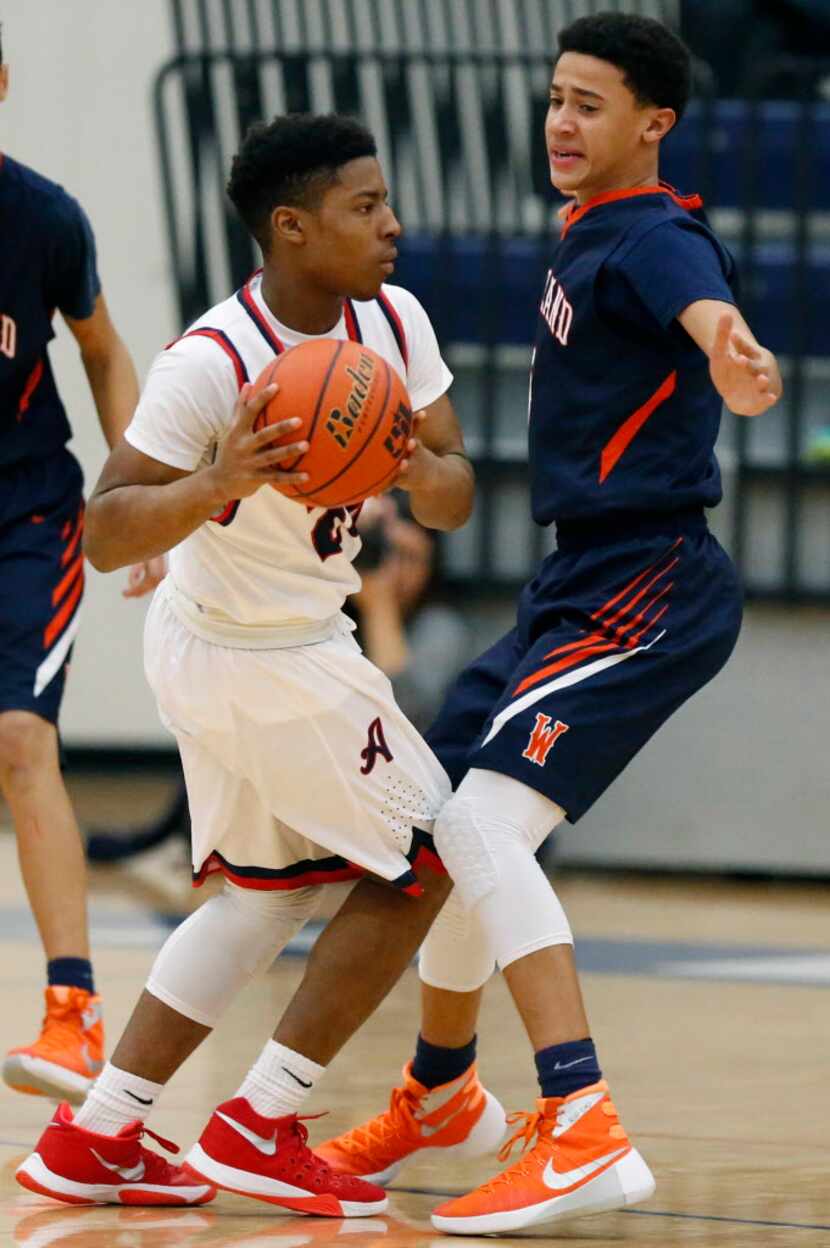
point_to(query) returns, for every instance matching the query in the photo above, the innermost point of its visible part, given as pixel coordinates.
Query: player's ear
(659, 124)
(287, 225)
(4, 81)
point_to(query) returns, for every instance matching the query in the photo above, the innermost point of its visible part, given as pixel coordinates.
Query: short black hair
(1, 43)
(656, 64)
(292, 160)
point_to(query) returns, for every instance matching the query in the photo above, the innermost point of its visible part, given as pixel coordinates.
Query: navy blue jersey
(47, 261)
(623, 413)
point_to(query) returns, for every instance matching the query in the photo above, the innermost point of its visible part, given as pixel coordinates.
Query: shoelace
(381, 1130)
(529, 1128)
(155, 1167)
(532, 1124)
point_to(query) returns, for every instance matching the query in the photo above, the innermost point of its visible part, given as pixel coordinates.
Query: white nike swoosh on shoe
(130, 1174)
(556, 1181)
(466, 1101)
(268, 1147)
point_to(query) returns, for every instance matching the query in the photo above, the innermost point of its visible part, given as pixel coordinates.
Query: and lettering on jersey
(556, 309)
(543, 738)
(625, 420)
(8, 336)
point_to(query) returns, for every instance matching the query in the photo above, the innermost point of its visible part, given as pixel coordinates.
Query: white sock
(279, 1081)
(116, 1099)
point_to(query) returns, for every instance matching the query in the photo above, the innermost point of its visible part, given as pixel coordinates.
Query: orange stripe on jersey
(562, 665)
(632, 641)
(76, 537)
(609, 623)
(56, 625)
(631, 426)
(631, 584)
(574, 213)
(32, 383)
(635, 620)
(611, 634)
(60, 589)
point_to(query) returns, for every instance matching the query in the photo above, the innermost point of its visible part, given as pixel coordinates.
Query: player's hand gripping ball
(356, 414)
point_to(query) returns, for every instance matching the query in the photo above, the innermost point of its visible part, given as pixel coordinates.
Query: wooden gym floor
(709, 1003)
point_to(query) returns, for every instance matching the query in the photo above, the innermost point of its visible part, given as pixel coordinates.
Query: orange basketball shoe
(461, 1117)
(582, 1162)
(69, 1052)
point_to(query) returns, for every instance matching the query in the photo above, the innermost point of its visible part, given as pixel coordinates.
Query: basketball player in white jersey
(300, 767)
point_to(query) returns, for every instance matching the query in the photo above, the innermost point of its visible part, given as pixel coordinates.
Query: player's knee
(263, 907)
(26, 742)
(461, 843)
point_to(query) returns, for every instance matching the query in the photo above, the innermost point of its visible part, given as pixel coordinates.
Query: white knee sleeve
(210, 957)
(457, 954)
(487, 835)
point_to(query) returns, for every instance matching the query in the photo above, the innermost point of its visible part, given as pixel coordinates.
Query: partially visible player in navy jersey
(639, 343)
(47, 263)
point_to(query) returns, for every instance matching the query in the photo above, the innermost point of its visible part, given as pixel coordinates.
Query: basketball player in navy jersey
(638, 345)
(47, 262)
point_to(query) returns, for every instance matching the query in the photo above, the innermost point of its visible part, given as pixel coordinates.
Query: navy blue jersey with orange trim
(623, 414)
(47, 261)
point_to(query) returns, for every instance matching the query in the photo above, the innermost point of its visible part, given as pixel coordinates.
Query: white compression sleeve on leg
(210, 957)
(457, 954)
(487, 835)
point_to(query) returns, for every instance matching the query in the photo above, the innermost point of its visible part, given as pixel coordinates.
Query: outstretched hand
(747, 376)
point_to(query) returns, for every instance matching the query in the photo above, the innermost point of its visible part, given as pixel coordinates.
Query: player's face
(354, 233)
(599, 137)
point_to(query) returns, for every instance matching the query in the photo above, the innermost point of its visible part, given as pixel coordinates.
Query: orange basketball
(356, 416)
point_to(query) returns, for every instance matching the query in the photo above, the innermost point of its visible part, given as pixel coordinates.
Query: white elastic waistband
(224, 632)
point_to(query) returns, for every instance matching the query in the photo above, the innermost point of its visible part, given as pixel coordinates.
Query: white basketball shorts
(300, 766)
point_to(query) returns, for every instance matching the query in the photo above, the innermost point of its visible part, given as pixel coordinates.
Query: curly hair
(656, 65)
(291, 161)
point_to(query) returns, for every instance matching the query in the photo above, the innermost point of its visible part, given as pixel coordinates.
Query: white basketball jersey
(266, 567)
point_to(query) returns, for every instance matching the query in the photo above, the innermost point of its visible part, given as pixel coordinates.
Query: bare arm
(109, 369)
(746, 375)
(437, 474)
(141, 507)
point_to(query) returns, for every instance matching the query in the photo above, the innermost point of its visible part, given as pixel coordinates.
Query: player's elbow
(97, 545)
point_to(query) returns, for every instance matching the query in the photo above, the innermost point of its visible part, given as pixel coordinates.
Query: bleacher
(456, 92)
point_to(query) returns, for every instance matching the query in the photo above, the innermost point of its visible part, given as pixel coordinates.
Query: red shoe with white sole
(82, 1167)
(268, 1158)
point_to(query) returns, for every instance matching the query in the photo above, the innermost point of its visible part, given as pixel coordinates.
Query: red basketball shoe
(581, 1162)
(69, 1052)
(461, 1118)
(84, 1168)
(268, 1158)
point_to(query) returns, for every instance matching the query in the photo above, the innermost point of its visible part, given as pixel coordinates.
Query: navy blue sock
(434, 1065)
(76, 972)
(565, 1068)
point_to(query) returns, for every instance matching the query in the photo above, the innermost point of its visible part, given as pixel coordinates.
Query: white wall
(79, 112)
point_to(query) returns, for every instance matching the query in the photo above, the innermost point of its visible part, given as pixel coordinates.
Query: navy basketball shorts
(615, 632)
(42, 578)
